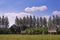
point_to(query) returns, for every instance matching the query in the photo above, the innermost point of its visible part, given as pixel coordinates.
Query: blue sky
(47, 7)
(20, 5)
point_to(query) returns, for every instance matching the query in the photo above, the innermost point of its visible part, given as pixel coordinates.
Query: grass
(29, 37)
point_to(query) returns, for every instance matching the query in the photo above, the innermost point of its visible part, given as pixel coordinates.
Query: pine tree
(38, 22)
(0, 20)
(54, 19)
(24, 21)
(17, 21)
(6, 22)
(45, 22)
(30, 21)
(3, 19)
(41, 21)
(34, 21)
(20, 22)
(27, 21)
(57, 20)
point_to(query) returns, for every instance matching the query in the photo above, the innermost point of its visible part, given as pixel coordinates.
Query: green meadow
(29, 37)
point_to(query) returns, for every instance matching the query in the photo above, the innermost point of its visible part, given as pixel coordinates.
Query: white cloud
(41, 8)
(12, 16)
(56, 12)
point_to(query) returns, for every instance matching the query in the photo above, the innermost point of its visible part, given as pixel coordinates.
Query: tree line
(31, 25)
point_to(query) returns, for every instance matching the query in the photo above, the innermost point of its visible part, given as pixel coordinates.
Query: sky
(21, 8)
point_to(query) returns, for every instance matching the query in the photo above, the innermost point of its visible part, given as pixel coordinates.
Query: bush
(4, 31)
(38, 30)
(58, 30)
(15, 29)
(29, 30)
(45, 30)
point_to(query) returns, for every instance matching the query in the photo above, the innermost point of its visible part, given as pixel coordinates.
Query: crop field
(29, 37)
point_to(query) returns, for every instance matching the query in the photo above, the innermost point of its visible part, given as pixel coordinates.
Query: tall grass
(29, 37)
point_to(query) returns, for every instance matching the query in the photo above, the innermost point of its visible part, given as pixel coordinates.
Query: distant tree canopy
(30, 21)
(4, 22)
(31, 24)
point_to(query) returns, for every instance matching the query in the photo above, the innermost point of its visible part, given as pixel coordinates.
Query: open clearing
(29, 37)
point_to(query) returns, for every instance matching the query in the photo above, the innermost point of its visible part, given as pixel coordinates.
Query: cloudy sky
(20, 8)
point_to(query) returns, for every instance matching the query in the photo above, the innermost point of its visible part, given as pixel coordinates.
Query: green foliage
(32, 25)
(29, 30)
(4, 31)
(45, 30)
(58, 30)
(38, 30)
(41, 29)
(15, 29)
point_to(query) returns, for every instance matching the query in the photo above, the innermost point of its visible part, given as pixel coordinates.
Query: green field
(29, 37)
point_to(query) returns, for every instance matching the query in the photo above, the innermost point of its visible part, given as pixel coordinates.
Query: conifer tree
(17, 21)
(41, 21)
(57, 20)
(0, 20)
(38, 22)
(34, 21)
(24, 21)
(30, 21)
(3, 19)
(45, 22)
(6, 22)
(27, 21)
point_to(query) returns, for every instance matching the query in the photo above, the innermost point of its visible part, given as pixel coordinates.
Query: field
(29, 37)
